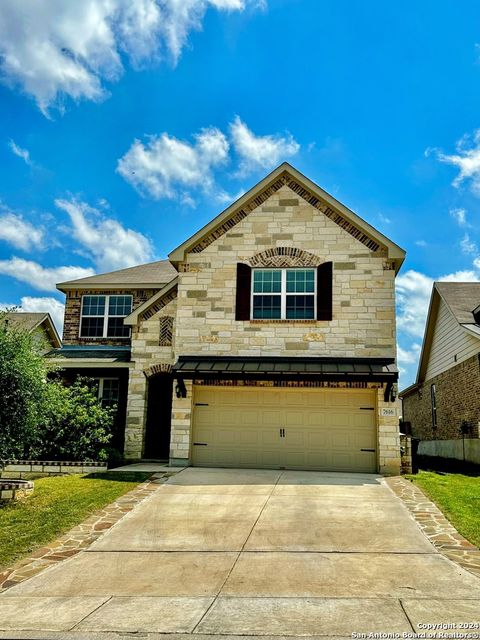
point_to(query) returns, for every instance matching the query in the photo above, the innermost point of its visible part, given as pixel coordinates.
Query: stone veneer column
(181, 427)
(136, 411)
(389, 462)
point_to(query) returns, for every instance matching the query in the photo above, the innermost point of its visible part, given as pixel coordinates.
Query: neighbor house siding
(450, 343)
(458, 400)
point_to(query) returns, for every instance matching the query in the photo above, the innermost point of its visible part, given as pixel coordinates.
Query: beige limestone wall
(363, 322)
(389, 458)
(148, 358)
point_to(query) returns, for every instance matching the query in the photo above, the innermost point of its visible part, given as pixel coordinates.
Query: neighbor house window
(433, 397)
(108, 390)
(102, 316)
(283, 294)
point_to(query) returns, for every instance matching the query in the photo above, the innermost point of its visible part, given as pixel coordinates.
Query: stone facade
(73, 305)
(457, 400)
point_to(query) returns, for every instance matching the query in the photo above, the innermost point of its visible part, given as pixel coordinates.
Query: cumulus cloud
(18, 232)
(40, 305)
(413, 295)
(70, 49)
(466, 159)
(39, 277)
(165, 167)
(24, 154)
(104, 240)
(260, 151)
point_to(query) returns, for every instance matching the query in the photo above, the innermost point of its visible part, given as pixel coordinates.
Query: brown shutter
(242, 303)
(324, 291)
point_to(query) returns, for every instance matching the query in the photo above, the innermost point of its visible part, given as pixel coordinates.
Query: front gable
(294, 190)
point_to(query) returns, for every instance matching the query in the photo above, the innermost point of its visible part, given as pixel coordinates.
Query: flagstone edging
(440, 531)
(81, 536)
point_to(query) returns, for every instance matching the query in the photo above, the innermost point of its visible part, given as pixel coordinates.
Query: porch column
(181, 427)
(136, 412)
(389, 462)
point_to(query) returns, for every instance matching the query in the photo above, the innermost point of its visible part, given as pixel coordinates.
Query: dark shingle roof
(461, 297)
(152, 274)
(27, 321)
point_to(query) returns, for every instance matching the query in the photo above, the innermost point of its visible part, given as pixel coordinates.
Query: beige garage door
(284, 428)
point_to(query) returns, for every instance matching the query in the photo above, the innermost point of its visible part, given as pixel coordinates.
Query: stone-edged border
(441, 533)
(15, 468)
(13, 489)
(82, 535)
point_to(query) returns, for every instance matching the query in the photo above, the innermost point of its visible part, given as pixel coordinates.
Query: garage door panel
(323, 429)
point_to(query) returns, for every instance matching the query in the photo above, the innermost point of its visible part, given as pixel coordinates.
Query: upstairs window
(283, 294)
(102, 316)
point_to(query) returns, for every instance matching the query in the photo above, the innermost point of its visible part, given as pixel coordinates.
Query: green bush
(40, 417)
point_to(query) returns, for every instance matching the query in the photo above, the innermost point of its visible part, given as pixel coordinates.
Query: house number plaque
(389, 413)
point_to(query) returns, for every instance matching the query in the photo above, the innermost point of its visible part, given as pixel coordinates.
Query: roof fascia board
(71, 286)
(428, 335)
(394, 251)
(132, 319)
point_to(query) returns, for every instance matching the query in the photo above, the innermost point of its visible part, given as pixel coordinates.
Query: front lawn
(458, 496)
(58, 503)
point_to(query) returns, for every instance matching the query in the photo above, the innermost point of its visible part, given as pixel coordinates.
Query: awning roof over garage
(268, 368)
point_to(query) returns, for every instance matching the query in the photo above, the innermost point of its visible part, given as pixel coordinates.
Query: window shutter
(324, 291)
(242, 303)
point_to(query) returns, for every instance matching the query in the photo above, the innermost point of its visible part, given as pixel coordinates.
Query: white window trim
(106, 316)
(283, 293)
(101, 382)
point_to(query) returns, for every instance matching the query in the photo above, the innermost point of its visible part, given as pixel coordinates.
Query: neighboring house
(40, 325)
(266, 340)
(443, 406)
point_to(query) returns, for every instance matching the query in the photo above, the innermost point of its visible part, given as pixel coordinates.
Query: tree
(39, 416)
(22, 385)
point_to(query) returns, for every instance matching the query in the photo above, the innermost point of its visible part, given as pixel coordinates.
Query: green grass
(458, 496)
(58, 503)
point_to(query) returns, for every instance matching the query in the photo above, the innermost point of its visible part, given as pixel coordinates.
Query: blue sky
(126, 125)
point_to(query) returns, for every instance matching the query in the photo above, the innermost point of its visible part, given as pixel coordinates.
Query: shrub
(40, 417)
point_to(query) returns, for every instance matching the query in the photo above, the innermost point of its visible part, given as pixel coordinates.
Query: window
(283, 294)
(108, 391)
(102, 316)
(433, 398)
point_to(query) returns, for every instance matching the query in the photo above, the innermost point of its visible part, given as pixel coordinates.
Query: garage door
(325, 429)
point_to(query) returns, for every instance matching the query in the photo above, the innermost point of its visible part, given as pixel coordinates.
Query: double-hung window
(283, 294)
(108, 391)
(102, 316)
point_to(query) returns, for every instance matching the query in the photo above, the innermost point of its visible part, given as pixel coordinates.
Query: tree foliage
(40, 417)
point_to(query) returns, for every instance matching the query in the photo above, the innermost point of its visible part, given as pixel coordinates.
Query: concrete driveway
(253, 552)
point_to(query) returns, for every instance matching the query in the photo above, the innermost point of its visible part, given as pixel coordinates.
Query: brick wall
(73, 305)
(458, 400)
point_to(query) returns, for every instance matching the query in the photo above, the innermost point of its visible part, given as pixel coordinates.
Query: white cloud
(413, 295)
(421, 243)
(38, 277)
(260, 151)
(467, 245)
(24, 154)
(460, 217)
(408, 356)
(466, 159)
(166, 167)
(110, 245)
(69, 49)
(40, 305)
(19, 233)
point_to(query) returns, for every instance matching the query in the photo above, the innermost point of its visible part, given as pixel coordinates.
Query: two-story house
(266, 340)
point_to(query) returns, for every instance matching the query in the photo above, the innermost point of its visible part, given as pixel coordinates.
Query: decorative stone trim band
(15, 468)
(15, 489)
(162, 367)
(285, 257)
(305, 384)
(303, 193)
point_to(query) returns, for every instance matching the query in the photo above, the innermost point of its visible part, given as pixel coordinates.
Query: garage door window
(287, 294)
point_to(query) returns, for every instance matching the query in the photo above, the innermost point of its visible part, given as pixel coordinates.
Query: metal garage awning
(270, 368)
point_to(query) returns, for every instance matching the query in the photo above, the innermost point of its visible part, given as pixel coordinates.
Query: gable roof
(152, 275)
(285, 174)
(142, 309)
(461, 298)
(31, 321)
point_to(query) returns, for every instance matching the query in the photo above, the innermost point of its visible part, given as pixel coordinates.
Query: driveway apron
(253, 552)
